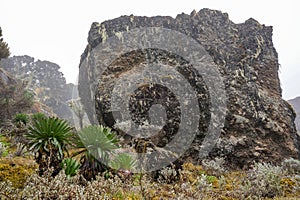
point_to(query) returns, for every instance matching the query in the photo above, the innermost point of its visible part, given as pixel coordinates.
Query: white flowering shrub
(291, 165)
(215, 166)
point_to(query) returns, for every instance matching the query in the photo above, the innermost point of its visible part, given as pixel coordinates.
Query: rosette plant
(71, 166)
(48, 139)
(94, 145)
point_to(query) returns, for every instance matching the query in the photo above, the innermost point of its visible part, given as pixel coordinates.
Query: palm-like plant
(123, 161)
(94, 144)
(48, 138)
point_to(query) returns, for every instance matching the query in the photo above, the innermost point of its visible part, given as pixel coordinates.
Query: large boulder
(259, 124)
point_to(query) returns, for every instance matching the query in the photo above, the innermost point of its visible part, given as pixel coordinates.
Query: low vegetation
(262, 182)
(61, 163)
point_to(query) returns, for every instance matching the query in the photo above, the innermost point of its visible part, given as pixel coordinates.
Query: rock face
(46, 81)
(6, 79)
(6, 83)
(259, 124)
(296, 105)
(14, 97)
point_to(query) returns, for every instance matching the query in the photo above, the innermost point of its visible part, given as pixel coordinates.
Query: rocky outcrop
(14, 98)
(296, 105)
(6, 79)
(45, 80)
(259, 124)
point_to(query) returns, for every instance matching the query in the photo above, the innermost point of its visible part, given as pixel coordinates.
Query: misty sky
(57, 31)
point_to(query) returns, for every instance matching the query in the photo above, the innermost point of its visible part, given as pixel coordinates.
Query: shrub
(291, 165)
(17, 175)
(215, 166)
(264, 180)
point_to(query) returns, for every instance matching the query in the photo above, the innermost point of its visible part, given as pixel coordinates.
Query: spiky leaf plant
(48, 138)
(123, 161)
(71, 166)
(21, 118)
(94, 144)
(38, 116)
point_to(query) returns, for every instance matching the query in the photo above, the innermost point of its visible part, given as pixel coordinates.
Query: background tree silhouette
(4, 49)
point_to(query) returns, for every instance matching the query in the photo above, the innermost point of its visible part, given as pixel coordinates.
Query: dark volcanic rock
(296, 105)
(259, 124)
